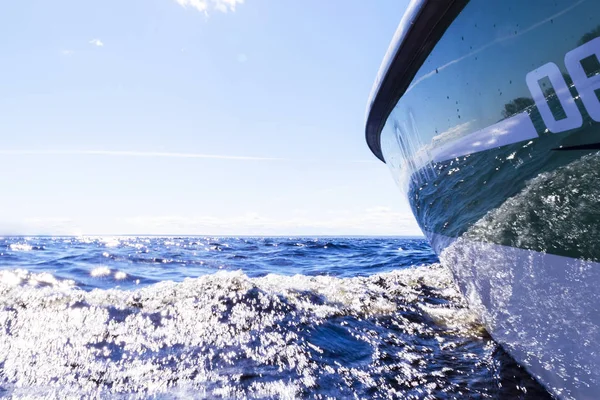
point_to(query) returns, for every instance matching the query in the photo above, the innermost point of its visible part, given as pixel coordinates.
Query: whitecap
(100, 271)
(21, 247)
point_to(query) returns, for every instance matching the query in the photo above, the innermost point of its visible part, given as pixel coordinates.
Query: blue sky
(193, 117)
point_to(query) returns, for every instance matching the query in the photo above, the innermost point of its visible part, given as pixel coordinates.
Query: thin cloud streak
(131, 154)
(157, 154)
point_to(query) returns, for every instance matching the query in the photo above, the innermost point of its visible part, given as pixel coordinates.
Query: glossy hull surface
(496, 141)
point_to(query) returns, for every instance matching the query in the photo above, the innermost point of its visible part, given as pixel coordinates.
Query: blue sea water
(210, 317)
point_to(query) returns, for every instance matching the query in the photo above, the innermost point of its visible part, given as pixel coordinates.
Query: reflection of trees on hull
(516, 106)
(590, 64)
(521, 104)
(527, 104)
(593, 34)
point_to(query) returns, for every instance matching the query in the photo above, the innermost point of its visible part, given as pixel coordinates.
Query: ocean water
(208, 317)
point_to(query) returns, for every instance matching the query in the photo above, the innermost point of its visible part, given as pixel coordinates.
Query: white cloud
(97, 42)
(205, 6)
(67, 52)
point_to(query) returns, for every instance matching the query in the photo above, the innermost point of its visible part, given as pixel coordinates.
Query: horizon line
(209, 235)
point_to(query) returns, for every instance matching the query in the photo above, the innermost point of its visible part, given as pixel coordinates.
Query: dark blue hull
(494, 134)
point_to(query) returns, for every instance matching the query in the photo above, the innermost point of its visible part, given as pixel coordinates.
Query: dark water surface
(207, 317)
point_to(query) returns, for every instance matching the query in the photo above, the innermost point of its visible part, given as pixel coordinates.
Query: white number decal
(585, 86)
(551, 71)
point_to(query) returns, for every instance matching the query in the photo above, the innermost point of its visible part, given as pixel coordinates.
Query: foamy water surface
(241, 318)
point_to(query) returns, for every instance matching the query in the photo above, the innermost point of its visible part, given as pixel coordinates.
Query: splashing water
(241, 318)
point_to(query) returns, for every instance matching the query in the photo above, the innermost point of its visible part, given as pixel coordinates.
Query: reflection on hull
(495, 139)
(530, 266)
(526, 195)
(542, 307)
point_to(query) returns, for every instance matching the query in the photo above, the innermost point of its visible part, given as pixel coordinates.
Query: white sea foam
(120, 275)
(100, 271)
(21, 247)
(224, 335)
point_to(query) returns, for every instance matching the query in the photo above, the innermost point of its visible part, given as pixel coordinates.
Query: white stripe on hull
(542, 308)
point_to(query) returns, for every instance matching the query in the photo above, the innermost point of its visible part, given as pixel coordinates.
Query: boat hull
(495, 139)
(542, 308)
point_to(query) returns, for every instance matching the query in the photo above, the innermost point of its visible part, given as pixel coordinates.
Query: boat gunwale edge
(420, 29)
